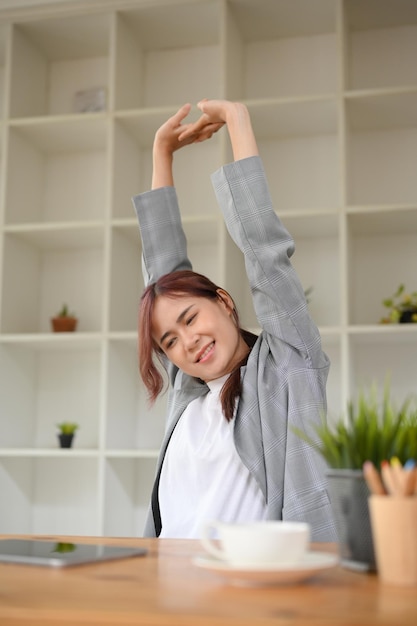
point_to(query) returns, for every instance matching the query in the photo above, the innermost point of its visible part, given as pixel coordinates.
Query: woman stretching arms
(229, 451)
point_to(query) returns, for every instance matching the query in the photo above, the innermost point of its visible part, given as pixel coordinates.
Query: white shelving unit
(332, 89)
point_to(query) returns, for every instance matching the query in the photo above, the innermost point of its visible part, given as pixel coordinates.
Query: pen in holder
(393, 513)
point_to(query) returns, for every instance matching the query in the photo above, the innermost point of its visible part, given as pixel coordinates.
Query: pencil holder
(394, 530)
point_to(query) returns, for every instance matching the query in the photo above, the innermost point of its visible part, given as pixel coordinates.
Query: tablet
(61, 554)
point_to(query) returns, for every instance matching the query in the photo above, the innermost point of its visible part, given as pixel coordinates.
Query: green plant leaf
(372, 430)
(67, 428)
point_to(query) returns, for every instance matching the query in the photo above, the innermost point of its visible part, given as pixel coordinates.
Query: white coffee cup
(256, 543)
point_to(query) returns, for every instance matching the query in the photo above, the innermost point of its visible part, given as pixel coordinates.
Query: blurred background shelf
(332, 90)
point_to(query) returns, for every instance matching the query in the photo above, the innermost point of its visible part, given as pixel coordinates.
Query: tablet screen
(61, 554)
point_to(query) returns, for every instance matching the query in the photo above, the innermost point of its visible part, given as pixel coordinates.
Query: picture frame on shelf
(90, 100)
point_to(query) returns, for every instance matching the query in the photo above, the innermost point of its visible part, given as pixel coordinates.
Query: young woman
(229, 452)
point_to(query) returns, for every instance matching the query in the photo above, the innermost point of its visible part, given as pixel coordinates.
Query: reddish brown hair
(181, 283)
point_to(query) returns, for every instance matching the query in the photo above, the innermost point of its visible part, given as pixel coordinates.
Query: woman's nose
(191, 340)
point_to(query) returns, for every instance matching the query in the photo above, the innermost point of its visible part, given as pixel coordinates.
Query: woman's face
(198, 335)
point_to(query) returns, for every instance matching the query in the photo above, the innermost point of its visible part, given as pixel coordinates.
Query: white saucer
(274, 573)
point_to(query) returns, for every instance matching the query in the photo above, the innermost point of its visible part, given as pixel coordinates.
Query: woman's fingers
(202, 129)
(181, 113)
(177, 133)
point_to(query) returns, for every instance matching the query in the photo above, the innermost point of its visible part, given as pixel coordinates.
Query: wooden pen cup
(394, 532)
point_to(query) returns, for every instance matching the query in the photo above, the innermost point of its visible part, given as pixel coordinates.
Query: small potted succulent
(64, 321)
(374, 430)
(66, 432)
(401, 307)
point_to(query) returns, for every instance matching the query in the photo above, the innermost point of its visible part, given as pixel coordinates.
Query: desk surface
(165, 588)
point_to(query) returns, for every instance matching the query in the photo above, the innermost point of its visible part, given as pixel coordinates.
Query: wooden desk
(164, 588)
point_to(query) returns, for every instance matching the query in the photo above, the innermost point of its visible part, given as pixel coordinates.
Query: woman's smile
(205, 353)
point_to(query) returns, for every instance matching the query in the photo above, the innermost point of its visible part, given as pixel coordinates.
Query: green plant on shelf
(67, 428)
(401, 306)
(65, 312)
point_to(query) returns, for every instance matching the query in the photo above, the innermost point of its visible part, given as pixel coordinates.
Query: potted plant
(64, 321)
(66, 432)
(373, 430)
(402, 307)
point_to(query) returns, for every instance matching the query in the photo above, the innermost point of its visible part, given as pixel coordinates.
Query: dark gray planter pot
(65, 441)
(349, 494)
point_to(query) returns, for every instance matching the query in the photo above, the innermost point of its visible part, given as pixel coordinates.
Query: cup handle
(208, 541)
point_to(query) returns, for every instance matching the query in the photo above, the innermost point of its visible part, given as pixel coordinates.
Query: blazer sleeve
(164, 245)
(281, 308)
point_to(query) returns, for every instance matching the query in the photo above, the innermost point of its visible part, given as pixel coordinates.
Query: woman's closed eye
(170, 343)
(190, 320)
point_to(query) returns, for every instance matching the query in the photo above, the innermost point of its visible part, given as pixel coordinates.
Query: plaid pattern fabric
(284, 380)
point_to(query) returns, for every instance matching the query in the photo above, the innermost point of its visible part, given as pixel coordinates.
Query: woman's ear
(226, 299)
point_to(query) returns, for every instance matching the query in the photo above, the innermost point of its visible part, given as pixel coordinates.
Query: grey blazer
(284, 380)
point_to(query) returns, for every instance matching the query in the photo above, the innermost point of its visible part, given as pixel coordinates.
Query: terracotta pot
(64, 324)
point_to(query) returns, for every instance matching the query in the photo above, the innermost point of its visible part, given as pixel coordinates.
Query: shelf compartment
(381, 354)
(299, 144)
(167, 55)
(39, 503)
(130, 422)
(379, 110)
(317, 261)
(127, 495)
(126, 283)
(53, 59)
(132, 158)
(294, 42)
(3, 45)
(38, 280)
(378, 261)
(382, 143)
(65, 163)
(43, 384)
(381, 45)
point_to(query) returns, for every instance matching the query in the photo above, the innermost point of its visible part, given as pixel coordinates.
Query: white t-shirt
(203, 477)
